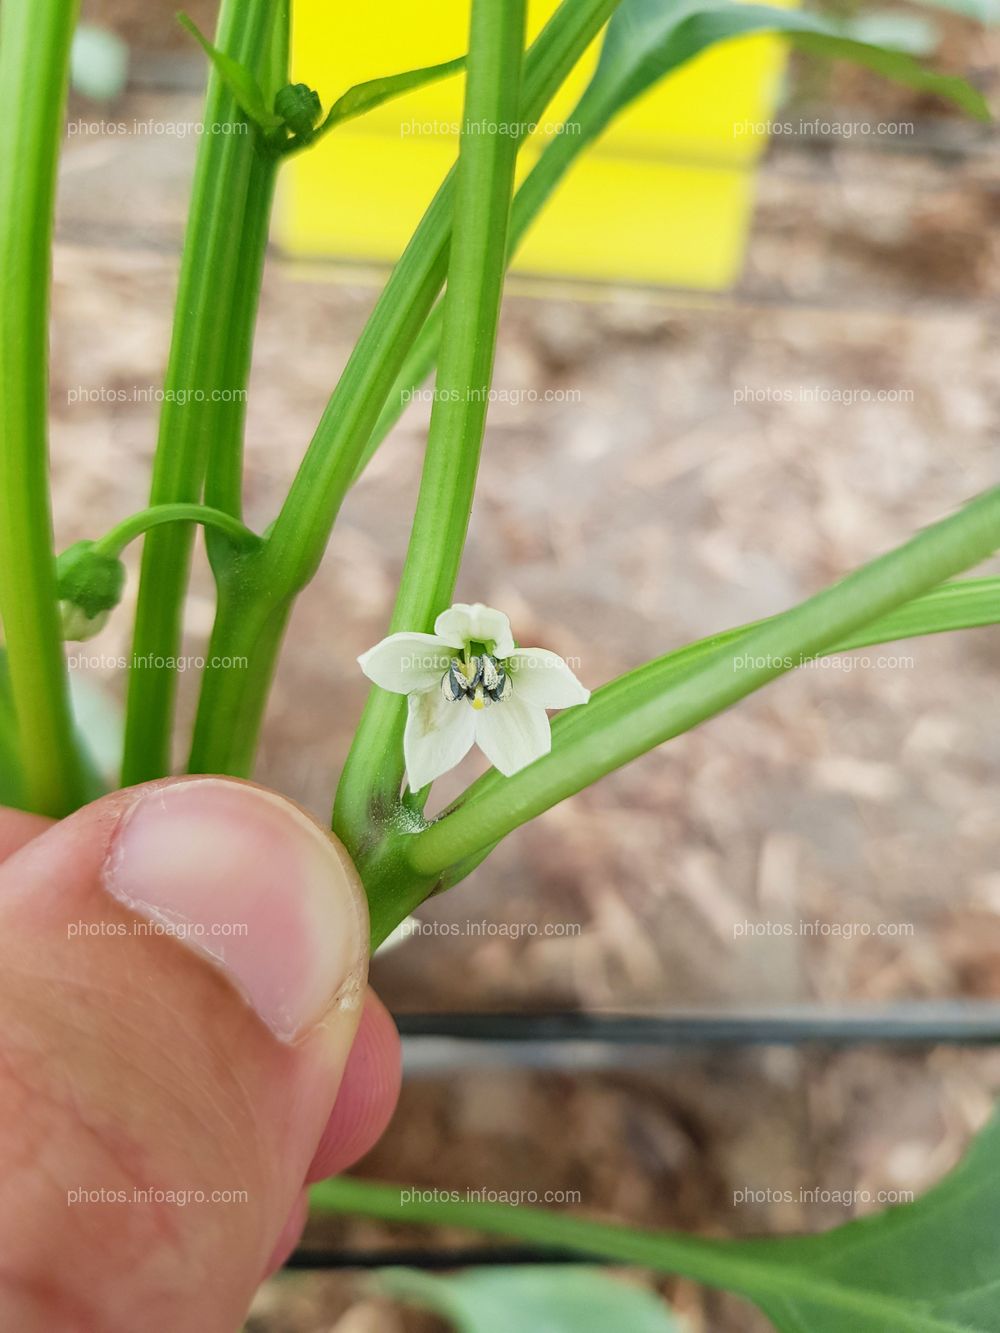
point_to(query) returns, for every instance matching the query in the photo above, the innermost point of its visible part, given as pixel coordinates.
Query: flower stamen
(483, 680)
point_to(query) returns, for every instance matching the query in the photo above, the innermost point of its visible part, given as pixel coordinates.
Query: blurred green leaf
(543, 1299)
(648, 38)
(927, 1267)
(912, 33)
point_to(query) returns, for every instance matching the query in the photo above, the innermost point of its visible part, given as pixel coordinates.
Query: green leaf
(646, 39)
(912, 33)
(556, 1299)
(925, 1267)
(365, 97)
(237, 78)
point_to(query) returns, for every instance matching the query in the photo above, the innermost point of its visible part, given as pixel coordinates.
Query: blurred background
(662, 462)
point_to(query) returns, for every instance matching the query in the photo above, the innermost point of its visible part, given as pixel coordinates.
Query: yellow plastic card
(665, 196)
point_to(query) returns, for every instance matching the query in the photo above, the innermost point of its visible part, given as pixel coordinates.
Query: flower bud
(89, 583)
(299, 107)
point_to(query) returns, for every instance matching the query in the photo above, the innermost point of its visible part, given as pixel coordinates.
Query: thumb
(181, 973)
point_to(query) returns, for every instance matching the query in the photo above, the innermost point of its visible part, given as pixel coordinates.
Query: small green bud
(89, 584)
(299, 107)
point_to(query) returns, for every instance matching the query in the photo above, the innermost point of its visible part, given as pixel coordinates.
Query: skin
(132, 1062)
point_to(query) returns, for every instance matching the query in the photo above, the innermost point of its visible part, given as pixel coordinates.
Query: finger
(18, 828)
(289, 1236)
(181, 968)
(367, 1096)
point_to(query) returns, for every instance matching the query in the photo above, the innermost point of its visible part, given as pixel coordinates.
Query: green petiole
(237, 534)
(641, 710)
(396, 888)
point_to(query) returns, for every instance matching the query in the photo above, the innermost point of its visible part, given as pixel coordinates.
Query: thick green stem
(484, 183)
(295, 546)
(242, 656)
(227, 743)
(224, 472)
(211, 286)
(34, 57)
(641, 710)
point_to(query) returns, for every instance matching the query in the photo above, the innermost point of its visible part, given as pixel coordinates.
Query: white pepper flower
(468, 683)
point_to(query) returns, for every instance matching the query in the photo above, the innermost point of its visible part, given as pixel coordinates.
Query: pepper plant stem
(484, 183)
(558, 156)
(294, 547)
(242, 655)
(303, 527)
(214, 274)
(35, 39)
(224, 471)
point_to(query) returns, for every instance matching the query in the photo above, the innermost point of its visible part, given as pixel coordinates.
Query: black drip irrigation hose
(435, 1260)
(911, 1022)
(554, 1040)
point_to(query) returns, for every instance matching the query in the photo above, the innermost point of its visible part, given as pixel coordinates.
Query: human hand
(182, 1002)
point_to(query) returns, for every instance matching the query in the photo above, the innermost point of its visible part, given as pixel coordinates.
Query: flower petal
(439, 734)
(403, 663)
(512, 734)
(464, 622)
(543, 678)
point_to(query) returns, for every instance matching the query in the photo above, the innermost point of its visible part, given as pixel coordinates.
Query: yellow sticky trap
(665, 196)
